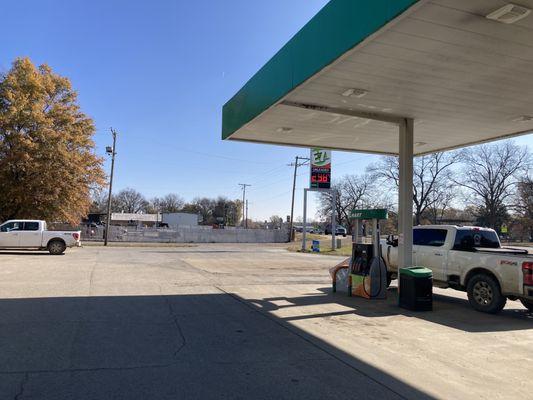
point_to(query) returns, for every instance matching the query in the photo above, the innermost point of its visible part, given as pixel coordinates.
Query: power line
(277, 182)
(273, 172)
(188, 150)
(261, 201)
(275, 196)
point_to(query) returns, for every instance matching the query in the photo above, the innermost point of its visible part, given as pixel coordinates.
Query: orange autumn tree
(48, 167)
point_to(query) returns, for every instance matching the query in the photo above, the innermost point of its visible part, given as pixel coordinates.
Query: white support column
(405, 203)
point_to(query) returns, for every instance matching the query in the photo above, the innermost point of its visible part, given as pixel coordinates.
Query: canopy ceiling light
(509, 14)
(284, 129)
(523, 118)
(356, 93)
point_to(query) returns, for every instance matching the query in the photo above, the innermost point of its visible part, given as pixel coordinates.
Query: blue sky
(159, 72)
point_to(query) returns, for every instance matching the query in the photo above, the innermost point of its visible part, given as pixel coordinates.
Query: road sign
(369, 214)
(320, 169)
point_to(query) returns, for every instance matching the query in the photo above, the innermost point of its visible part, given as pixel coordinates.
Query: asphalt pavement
(238, 322)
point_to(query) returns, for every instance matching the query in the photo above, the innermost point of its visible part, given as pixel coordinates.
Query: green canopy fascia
(337, 28)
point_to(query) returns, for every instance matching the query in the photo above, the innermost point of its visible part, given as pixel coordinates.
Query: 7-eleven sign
(320, 169)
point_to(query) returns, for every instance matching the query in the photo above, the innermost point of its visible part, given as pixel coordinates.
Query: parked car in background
(470, 259)
(32, 234)
(340, 230)
(308, 229)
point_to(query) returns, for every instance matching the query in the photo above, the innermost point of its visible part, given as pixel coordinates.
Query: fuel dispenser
(368, 271)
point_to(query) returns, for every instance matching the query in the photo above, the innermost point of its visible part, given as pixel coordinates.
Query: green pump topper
(379, 213)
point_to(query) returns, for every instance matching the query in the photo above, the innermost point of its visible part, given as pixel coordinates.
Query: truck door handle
(438, 254)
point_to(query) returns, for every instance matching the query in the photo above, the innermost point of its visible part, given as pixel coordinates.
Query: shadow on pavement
(206, 251)
(449, 311)
(209, 346)
(25, 253)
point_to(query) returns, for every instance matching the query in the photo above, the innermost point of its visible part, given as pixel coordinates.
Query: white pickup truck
(470, 259)
(32, 234)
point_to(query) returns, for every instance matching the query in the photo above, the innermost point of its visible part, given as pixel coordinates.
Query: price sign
(320, 169)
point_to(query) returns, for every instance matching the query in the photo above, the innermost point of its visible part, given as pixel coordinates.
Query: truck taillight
(527, 270)
(76, 236)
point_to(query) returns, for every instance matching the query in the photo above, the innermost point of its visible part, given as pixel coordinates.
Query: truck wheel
(484, 294)
(527, 304)
(56, 247)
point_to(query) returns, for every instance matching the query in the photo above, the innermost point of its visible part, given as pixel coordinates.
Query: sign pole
(304, 231)
(333, 219)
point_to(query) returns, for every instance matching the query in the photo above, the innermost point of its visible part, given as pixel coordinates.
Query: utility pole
(243, 186)
(110, 151)
(295, 165)
(246, 213)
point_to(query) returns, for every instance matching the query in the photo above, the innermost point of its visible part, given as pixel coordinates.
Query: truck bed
(507, 250)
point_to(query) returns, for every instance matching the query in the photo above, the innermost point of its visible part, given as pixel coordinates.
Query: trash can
(316, 246)
(416, 289)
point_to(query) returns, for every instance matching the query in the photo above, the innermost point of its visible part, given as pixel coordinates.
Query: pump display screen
(320, 169)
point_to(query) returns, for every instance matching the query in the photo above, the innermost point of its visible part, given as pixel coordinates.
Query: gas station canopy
(406, 77)
(460, 70)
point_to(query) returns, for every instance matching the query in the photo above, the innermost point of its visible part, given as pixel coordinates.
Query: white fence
(187, 234)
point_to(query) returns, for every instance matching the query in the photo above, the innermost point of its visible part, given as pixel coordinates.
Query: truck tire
(527, 304)
(484, 294)
(56, 247)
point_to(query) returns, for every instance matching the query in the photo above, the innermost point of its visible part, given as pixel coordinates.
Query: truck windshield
(468, 239)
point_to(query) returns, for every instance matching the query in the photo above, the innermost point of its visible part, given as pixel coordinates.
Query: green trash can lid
(417, 272)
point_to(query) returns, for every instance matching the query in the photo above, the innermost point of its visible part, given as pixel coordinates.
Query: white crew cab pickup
(470, 259)
(32, 234)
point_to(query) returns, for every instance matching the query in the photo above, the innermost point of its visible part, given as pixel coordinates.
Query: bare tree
(171, 203)
(524, 208)
(205, 208)
(491, 173)
(351, 191)
(129, 201)
(431, 178)
(440, 201)
(216, 210)
(276, 221)
(524, 205)
(98, 202)
(226, 210)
